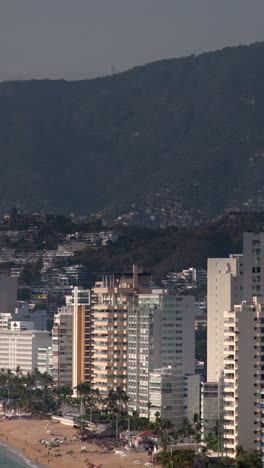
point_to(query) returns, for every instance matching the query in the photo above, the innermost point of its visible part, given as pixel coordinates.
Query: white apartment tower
(160, 334)
(243, 400)
(166, 387)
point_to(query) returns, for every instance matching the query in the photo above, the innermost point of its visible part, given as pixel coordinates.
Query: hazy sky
(75, 39)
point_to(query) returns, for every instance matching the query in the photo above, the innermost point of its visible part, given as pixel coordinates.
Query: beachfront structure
(81, 337)
(21, 347)
(166, 390)
(62, 346)
(223, 292)
(231, 281)
(45, 360)
(210, 410)
(160, 334)
(71, 340)
(192, 395)
(243, 398)
(111, 298)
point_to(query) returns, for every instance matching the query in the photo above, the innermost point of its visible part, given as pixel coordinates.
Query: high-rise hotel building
(81, 337)
(71, 340)
(160, 334)
(243, 399)
(234, 342)
(62, 346)
(231, 281)
(223, 292)
(111, 299)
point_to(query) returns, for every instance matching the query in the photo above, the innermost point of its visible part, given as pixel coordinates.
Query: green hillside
(160, 251)
(189, 129)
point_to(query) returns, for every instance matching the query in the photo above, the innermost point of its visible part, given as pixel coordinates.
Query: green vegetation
(173, 249)
(186, 458)
(34, 394)
(31, 273)
(191, 127)
(31, 393)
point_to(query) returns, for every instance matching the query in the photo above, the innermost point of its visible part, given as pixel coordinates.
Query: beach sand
(24, 435)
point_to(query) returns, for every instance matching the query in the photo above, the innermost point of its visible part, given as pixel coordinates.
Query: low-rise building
(20, 347)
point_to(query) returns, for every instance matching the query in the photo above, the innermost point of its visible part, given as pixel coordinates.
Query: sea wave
(20, 457)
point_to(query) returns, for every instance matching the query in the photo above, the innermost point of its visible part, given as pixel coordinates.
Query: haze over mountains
(186, 132)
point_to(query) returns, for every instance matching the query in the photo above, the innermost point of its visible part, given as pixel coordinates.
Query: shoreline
(22, 438)
(20, 455)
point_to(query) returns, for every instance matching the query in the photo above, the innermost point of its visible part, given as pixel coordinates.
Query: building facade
(210, 410)
(81, 337)
(223, 292)
(111, 298)
(160, 334)
(192, 396)
(19, 347)
(62, 347)
(166, 389)
(243, 413)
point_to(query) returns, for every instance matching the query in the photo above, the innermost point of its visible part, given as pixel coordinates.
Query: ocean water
(10, 458)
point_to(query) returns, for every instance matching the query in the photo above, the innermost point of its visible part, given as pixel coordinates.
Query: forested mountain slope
(189, 129)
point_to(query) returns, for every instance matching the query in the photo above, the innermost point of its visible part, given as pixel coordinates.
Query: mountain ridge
(184, 135)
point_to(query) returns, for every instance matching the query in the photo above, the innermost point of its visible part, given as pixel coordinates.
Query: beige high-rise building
(111, 298)
(243, 397)
(223, 291)
(230, 281)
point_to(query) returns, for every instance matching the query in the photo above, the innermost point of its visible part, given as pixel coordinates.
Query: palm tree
(239, 450)
(111, 400)
(121, 397)
(186, 429)
(248, 459)
(197, 427)
(84, 389)
(149, 406)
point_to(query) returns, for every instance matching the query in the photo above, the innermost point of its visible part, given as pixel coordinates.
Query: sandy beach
(24, 435)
